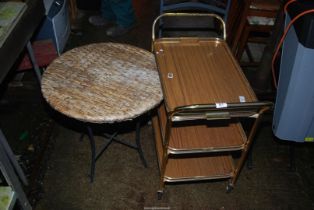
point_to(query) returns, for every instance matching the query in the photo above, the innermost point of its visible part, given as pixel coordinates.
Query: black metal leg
(104, 147)
(292, 157)
(112, 138)
(138, 143)
(82, 137)
(93, 150)
(137, 146)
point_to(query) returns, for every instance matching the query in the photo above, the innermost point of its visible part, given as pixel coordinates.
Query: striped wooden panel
(204, 71)
(200, 167)
(208, 136)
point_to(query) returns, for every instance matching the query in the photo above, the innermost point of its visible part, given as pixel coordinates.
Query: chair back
(220, 7)
(258, 8)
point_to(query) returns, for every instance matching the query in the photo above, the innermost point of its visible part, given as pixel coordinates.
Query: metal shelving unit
(12, 173)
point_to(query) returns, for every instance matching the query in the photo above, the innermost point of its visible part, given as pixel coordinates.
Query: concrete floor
(121, 181)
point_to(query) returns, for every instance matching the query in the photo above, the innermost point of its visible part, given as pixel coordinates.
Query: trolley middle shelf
(202, 136)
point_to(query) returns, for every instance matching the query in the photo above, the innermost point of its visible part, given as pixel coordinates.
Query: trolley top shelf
(200, 71)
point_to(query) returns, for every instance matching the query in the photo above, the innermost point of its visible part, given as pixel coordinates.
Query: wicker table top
(103, 83)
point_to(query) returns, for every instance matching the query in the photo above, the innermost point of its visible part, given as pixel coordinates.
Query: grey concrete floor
(121, 181)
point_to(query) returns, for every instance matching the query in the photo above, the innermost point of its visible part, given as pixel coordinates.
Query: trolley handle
(190, 15)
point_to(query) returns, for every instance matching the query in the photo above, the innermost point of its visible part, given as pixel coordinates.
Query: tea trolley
(206, 96)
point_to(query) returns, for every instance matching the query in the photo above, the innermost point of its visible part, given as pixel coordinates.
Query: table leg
(104, 147)
(138, 143)
(93, 150)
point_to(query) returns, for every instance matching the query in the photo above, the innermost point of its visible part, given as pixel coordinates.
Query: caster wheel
(159, 195)
(249, 164)
(229, 188)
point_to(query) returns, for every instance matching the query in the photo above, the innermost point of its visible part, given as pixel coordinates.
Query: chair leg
(242, 42)
(249, 54)
(73, 10)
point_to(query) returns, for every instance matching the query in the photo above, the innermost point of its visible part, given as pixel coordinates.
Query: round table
(102, 83)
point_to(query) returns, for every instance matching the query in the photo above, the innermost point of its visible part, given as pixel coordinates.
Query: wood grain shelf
(203, 137)
(203, 71)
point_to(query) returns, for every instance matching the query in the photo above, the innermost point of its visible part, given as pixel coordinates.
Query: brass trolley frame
(168, 116)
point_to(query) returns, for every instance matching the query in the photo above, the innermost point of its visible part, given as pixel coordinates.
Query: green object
(309, 139)
(23, 136)
(7, 197)
(10, 12)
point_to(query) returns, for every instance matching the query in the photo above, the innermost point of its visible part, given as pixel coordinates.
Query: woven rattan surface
(102, 83)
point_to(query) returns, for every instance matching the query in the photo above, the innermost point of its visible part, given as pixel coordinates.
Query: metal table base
(112, 138)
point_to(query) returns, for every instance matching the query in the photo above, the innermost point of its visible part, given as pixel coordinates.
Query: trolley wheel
(160, 194)
(229, 188)
(249, 164)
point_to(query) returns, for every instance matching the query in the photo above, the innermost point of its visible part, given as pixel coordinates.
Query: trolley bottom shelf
(200, 168)
(186, 168)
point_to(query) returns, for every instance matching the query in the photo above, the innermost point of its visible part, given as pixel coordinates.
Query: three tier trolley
(206, 96)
